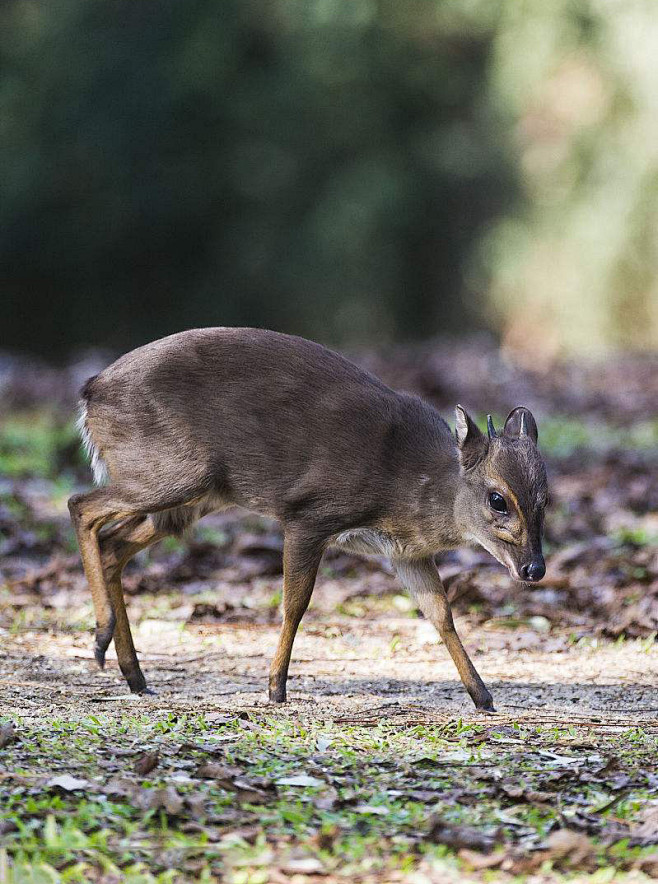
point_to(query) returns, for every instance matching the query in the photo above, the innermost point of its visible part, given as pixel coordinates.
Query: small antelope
(208, 418)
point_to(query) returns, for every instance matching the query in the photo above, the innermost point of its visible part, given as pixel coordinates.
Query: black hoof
(277, 695)
(99, 654)
(137, 684)
(485, 705)
(147, 692)
(102, 643)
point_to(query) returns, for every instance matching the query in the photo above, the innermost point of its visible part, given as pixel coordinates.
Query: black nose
(534, 571)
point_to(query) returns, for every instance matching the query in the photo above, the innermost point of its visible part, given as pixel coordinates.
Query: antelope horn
(523, 431)
(490, 428)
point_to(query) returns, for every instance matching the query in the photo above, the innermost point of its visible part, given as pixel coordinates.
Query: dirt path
(388, 668)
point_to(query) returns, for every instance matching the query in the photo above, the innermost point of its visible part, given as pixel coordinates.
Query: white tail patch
(98, 466)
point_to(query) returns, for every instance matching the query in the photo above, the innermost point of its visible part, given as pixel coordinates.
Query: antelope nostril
(534, 571)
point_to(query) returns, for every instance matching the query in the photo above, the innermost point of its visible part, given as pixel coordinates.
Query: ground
(378, 768)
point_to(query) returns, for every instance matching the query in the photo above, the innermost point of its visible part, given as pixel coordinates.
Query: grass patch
(561, 436)
(231, 798)
(38, 444)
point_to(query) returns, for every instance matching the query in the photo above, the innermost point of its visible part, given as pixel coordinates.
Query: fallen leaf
(166, 798)
(218, 718)
(302, 865)
(196, 804)
(146, 763)
(428, 796)
(459, 837)
(213, 770)
(214, 748)
(171, 800)
(323, 742)
(328, 800)
(120, 787)
(519, 793)
(376, 809)
(647, 829)
(481, 860)
(569, 846)
(250, 834)
(300, 780)
(7, 734)
(67, 783)
(249, 793)
(231, 778)
(180, 778)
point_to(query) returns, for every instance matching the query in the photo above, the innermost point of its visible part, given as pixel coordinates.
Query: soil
(343, 668)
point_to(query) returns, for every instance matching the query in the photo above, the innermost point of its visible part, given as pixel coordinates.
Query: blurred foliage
(318, 167)
(561, 436)
(347, 169)
(38, 443)
(576, 267)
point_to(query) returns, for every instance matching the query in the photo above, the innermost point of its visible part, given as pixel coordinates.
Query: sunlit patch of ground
(391, 770)
(344, 665)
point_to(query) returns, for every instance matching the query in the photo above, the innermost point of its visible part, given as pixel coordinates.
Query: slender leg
(89, 512)
(301, 559)
(117, 548)
(422, 580)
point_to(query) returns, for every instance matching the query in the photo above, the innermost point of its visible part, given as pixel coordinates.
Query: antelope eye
(497, 502)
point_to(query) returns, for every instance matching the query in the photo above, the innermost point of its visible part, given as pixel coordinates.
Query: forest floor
(378, 768)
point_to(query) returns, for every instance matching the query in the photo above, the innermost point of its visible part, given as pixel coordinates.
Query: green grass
(363, 806)
(561, 435)
(38, 444)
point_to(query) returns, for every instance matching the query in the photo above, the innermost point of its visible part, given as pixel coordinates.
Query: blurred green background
(351, 170)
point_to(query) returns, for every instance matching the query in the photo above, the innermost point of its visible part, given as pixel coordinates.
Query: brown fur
(213, 417)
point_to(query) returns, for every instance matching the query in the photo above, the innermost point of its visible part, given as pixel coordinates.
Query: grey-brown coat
(213, 417)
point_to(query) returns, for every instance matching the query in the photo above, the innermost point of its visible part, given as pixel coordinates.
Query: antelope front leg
(422, 580)
(301, 558)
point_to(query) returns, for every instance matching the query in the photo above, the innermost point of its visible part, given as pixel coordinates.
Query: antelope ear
(472, 444)
(520, 422)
